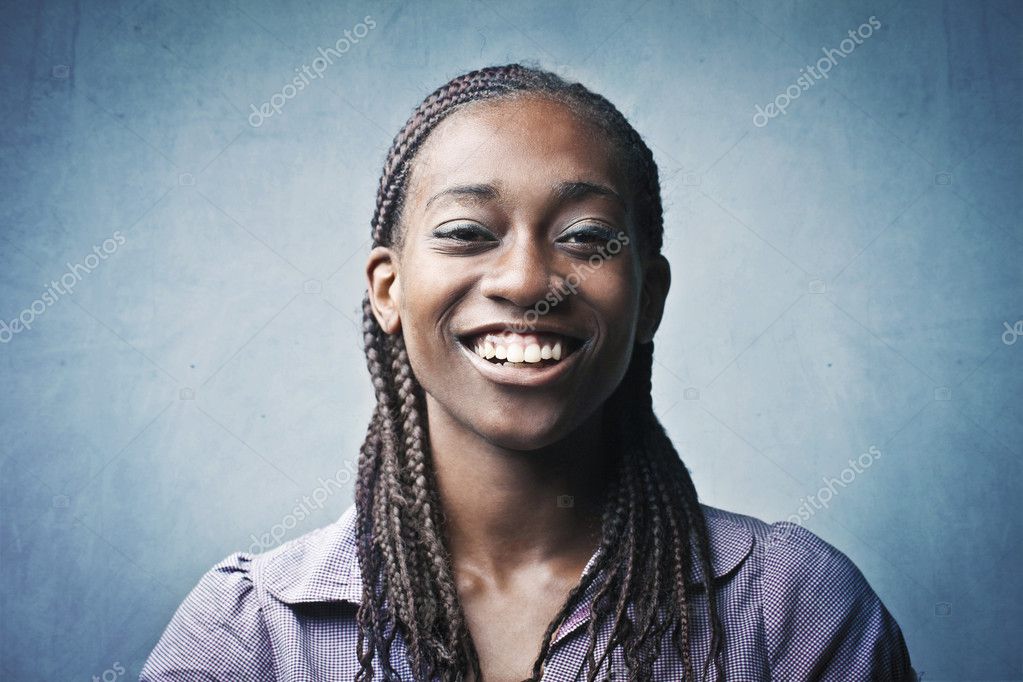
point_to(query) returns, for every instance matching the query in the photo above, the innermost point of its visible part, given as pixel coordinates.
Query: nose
(520, 275)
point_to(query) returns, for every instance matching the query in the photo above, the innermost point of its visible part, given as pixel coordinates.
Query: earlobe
(384, 288)
(656, 282)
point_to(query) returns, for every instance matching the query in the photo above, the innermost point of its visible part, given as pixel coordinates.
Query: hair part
(653, 530)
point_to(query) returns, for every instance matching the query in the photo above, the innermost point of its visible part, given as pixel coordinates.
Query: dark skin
(504, 453)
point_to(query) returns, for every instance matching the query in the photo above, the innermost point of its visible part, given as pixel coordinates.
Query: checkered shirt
(792, 606)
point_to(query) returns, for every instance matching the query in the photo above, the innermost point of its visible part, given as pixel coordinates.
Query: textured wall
(185, 268)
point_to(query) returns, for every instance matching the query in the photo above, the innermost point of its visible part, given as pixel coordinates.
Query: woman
(519, 506)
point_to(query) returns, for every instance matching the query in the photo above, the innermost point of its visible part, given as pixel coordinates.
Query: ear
(656, 282)
(384, 288)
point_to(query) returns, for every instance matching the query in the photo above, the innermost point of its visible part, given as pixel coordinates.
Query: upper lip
(544, 327)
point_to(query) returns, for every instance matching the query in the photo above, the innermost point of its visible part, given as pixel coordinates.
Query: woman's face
(519, 286)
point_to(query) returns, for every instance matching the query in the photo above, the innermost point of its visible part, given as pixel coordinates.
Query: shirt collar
(323, 566)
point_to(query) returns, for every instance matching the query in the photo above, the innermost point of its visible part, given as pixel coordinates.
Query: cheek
(419, 312)
(424, 302)
(614, 291)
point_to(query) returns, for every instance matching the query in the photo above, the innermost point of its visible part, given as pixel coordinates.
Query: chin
(525, 432)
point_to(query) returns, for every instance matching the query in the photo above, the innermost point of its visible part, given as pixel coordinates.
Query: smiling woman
(520, 512)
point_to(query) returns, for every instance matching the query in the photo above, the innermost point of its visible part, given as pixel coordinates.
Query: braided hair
(653, 530)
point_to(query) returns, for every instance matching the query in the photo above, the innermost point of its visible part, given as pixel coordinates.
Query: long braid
(670, 469)
(618, 520)
(372, 621)
(648, 622)
(679, 564)
(622, 581)
(431, 555)
(651, 520)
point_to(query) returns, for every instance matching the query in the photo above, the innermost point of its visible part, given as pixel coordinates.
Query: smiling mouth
(532, 350)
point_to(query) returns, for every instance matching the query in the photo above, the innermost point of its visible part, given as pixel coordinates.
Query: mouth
(522, 359)
(526, 351)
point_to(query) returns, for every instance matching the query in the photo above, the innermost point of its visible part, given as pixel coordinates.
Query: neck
(507, 508)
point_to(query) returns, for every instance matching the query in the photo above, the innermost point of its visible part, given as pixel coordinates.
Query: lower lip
(522, 376)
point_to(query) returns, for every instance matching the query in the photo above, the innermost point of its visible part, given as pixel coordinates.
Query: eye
(464, 232)
(462, 239)
(588, 234)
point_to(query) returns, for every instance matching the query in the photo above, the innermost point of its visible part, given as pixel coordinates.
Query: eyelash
(464, 229)
(596, 233)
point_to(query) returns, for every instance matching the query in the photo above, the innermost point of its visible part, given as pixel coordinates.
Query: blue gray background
(846, 276)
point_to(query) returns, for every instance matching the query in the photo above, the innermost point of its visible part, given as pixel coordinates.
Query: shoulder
(220, 630)
(790, 557)
(721, 521)
(821, 619)
(802, 572)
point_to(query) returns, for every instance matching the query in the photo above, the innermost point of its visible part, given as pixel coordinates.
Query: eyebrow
(479, 193)
(569, 191)
(564, 191)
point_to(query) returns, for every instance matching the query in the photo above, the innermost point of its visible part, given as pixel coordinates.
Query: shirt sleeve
(218, 632)
(822, 621)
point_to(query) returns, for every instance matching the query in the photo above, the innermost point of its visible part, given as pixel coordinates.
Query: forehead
(517, 143)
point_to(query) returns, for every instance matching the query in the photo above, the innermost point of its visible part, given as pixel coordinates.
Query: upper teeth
(517, 348)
